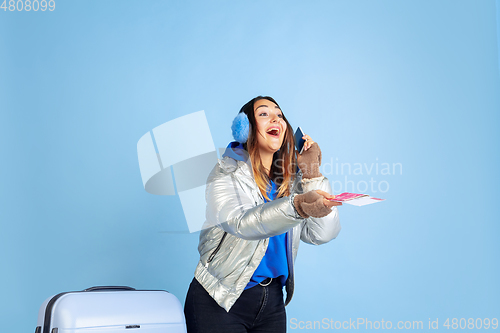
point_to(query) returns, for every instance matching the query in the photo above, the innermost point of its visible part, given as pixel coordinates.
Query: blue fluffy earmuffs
(241, 127)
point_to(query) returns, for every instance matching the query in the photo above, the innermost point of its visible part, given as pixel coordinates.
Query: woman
(258, 209)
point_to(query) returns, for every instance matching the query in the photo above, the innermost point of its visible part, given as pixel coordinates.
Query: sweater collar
(236, 151)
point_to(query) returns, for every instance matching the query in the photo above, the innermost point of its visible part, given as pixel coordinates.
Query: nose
(274, 118)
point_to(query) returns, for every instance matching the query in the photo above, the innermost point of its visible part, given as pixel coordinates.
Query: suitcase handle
(97, 288)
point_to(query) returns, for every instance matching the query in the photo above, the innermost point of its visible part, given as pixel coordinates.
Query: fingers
(309, 142)
(326, 196)
(331, 204)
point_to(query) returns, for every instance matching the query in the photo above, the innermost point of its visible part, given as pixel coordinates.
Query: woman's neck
(267, 161)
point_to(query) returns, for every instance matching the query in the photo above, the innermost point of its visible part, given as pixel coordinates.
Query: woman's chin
(275, 148)
(271, 147)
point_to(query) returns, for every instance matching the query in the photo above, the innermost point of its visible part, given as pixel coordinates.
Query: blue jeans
(258, 309)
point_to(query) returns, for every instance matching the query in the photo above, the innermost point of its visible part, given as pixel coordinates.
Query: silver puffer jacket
(238, 226)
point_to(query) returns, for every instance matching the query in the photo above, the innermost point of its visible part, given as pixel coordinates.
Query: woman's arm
(230, 206)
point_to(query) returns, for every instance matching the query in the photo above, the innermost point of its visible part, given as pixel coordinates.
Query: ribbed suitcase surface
(111, 310)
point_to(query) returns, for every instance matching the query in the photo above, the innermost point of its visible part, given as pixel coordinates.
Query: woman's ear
(241, 127)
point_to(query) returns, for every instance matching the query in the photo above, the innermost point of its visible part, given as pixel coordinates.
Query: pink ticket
(347, 196)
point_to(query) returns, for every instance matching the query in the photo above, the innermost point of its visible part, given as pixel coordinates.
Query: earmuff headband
(241, 127)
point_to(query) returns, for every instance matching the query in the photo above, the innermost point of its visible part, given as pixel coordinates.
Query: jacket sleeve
(319, 230)
(232, 207)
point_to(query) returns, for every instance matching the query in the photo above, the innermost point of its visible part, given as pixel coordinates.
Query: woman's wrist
(309, 162)
(295, 200)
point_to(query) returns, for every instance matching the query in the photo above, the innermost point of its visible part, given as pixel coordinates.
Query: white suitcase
(111, 310)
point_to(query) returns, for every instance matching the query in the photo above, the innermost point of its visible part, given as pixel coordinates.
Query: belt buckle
(265, 285)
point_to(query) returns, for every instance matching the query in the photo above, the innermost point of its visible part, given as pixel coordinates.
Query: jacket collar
(236, 151)
(236, 157)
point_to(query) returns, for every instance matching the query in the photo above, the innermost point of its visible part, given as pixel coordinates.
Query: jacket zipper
(216, 250)
(289, 258)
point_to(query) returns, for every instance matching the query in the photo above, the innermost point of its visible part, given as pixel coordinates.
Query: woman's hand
(309, 142)
(328, 203)
(314, 203)
(310, 159)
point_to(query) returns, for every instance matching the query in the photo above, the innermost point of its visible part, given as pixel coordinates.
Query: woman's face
(271, 126)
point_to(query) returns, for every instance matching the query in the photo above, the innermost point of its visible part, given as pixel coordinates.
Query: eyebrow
(264, 105)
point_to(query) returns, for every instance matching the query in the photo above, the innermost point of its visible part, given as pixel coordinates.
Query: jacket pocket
(212, 255)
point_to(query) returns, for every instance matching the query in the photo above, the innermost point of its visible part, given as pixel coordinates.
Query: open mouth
(273, 132)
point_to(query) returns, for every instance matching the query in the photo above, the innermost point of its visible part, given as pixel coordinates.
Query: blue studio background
(401, 95)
